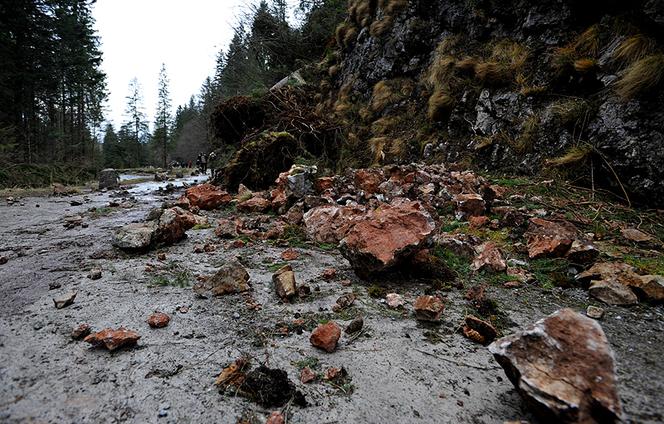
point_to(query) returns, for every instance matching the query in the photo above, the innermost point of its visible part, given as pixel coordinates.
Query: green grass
(295, 236)
(651, 265)
(102, 211)
(274, 267)
(459, 264)
(550, 272)
(204, 226)
(453, 226)
(310, 362)
(510, 182)
(174, 275)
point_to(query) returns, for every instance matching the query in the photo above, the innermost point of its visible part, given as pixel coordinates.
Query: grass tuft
(641, 77)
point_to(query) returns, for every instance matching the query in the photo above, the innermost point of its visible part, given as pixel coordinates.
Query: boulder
(582, 252)
(612, 292)
(108, 179)
(135, 237)
(326, 336)
(255, 204)
(369, 180)
(225, 229)
(207, 196)
(386, 236)
(563, 367)
(173, 224)
(651, 288)
(231, 278)
(468, 205)
(331, 223)
(549, 238)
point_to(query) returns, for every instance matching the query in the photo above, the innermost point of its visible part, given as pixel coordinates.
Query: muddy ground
(400, 370)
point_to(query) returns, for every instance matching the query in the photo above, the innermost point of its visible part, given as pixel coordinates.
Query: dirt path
(400, 370)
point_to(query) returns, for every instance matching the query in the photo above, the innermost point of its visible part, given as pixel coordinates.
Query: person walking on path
(204, 163)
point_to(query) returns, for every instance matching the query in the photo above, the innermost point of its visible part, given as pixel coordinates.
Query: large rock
(612, 293)
(231, 278)
(173, 224)
(549, 238)
(109, 179)
(386, 236)
(207, 196)
(330, 223)
(135, 237)
(563, 367)
(651, 288)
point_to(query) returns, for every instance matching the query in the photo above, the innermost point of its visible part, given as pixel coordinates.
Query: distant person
(199, 164)
(204, 163)
(212, 164)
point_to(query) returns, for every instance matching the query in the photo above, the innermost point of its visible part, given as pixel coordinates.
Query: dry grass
(440, 106)
(466, 66)
(570, 111)
(384, 125)
(641, 76)
(441, 72)
(507, 60)
(493, 73)
(585, 66)
(632, 49)
(381, 26)
(574, 155)
(586, 45)
(526, 140)
(363, 11)
(389, 92)
(392, 7)
(333, 70)
(377, 146)
(349, 37)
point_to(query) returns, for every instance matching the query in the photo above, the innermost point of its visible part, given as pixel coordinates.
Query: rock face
(231, 278)
(207, 196)
(108, 179)
(563, 367)
(386, 236)
(135, 237)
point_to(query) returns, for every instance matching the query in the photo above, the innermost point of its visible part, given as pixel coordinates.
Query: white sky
(137, 36)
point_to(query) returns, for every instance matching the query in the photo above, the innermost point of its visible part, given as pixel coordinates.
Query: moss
(376, 291)
(641, 77)
(458, 264)
(550, 273)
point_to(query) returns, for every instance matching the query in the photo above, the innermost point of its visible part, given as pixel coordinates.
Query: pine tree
(163, 118)
(135, 121)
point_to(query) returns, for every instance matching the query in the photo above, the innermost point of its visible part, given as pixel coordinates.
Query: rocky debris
(173, 224)
(612, 292)
(306, 375)
(75, 203)
(355, 325)
(637, 236)
(207, 196)
(489, 257)
(344, 301)
(429, 308)
(563, 367)
(477, 222)
(582, 252)
(113, 339)
(326, 336)
(329, 274)
(73, 221)
(284, 283)
(135, 237)
(81, 331)
(468, 205)
(109, 179)
(594, 312)
(161, 256)
(335, 374)
(158, 320)
(232, 375)
(549, 238)
(95, 274)
(225, 229)
(521, 275)
(479, 330)
(64, 300)
(369, 180)
(394, 300)
(160, 176)
(618, 271)
(275, 417)
(651, 288)
(255, 204)
(386, 236)
(289, 255)
(231, 278)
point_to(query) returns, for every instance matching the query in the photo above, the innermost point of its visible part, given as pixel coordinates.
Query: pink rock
(326, 336)
(429, 308)
(468, 205)
(548, 238)
(489, 258)
(113, 339)
(158, 320)
(255, 204)
(207, 196)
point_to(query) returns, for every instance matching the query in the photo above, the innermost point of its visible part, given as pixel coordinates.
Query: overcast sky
(137, 36)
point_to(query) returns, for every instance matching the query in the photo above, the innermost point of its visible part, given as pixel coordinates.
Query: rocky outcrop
(564, 368)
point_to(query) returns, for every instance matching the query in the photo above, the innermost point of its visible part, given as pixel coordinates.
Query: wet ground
(400, 370)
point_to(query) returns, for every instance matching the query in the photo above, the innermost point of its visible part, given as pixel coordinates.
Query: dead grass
(507, 60)
(493, 73)
(587, 43)
(389, 92)
(384, 125)
(381, 26)
(440, 106)
(570, 111)
(529, 130)
(585, 46)
(363, 11)
(641, 76)
(392, 7)
(574, 155)
(632, 49)
(377, 146)
(585, 65)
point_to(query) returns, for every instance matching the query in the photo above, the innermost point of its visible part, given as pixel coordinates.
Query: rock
(275, 417)
(632, 234)
(394, 300)
(95, 274)
(387, 236)
(207, 196)
(306, 375)
(64, 300)
(468, 205)
(301, 180)
(289, 255)
(355, 325)
(161, 256)
(113, 339)
(284, 283)
(270, 388)
(618, 271)
(344, 301)
(548, 238)
(108, 179)
(81, 331)
(326, 336)
(522, 276)
(368, 180)
(3, 260)
(582, 252)
(75, 203)
(594, 312)
(61, 190)
(612, 293)
(429, 308)
(158, 320)
(135, 237)
(330, 224)
(225, 229)
(173, 224)
(255, 204)
(650, 288)
(564, 369)
(478, 221)
(323, 183)
(478, 330)
(335, 374)
(490, 258)
(329, 274)
(231, 278)
(160, 176)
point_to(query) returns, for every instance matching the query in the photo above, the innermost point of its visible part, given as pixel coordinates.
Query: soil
(399, 370)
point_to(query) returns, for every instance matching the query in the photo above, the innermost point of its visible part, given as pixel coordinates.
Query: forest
(53, 91)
